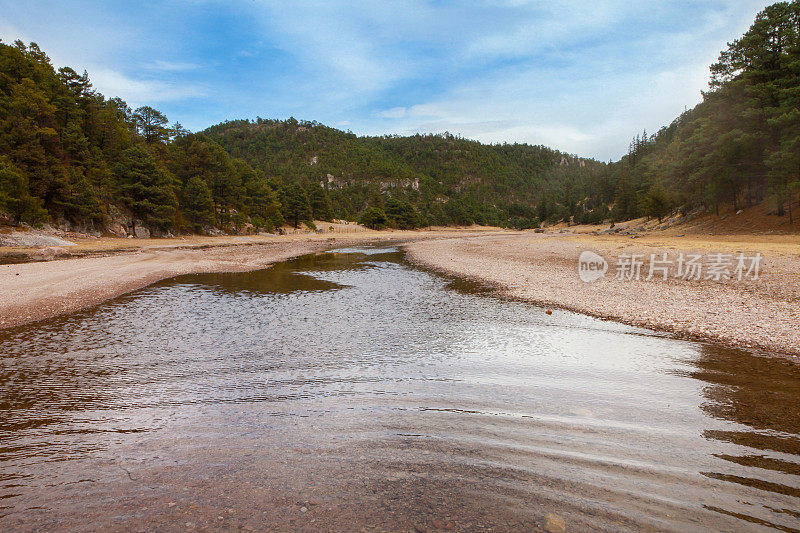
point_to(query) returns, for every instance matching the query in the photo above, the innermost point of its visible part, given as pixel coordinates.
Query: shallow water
(351, 390)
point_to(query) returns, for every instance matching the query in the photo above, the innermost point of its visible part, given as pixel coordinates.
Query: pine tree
(145, 188)
(15, 198)
(151, 124)
(320, 203)
(197, 205)
(296, 207)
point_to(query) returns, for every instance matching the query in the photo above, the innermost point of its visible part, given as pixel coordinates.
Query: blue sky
(580, 76)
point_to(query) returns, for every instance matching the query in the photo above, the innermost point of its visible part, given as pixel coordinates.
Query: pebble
(554, 523)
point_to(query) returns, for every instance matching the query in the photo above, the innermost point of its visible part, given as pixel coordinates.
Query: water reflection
(392, 397)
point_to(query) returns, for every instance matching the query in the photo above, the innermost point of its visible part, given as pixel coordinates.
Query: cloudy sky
(582, 76)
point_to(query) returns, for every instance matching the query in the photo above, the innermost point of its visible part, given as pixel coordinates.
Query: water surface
(351, 390)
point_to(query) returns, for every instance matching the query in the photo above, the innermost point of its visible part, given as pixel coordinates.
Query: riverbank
(761, 313)
(102, 269)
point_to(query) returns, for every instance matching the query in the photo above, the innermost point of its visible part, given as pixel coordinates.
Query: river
(351, 390)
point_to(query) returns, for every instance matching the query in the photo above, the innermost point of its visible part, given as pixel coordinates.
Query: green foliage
(151, 125)
(296, 207)
(401, 214)
(445, 179)
(68, 152)
(15, 198)
(197, 204)
(320, 202)
(657, 202)
(262, 204)
(373, 217)
(737, 147)
(145, 188)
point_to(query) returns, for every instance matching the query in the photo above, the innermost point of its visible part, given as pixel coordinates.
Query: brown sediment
(34, 291)
(761, 313)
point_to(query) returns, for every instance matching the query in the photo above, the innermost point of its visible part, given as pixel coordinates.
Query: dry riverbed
(761, 313)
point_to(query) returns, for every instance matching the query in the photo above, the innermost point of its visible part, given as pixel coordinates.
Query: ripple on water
(359, 380)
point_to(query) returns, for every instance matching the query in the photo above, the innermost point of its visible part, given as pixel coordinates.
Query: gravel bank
(756, 314)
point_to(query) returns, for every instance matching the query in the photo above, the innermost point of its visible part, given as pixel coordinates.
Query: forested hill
(740, 146)
(443, 179)
(69, 156)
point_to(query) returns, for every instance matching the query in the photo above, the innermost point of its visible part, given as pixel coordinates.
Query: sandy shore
(758, 314)
(39, 290)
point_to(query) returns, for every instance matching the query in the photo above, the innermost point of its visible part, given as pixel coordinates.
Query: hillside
(445, 179)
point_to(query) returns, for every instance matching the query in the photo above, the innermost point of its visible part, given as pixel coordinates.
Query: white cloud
(544, 26)
(395, 112)
(9, 33)
(589, 99)
(335, 43)
(139, 91)
(173, 66)
(587, 115)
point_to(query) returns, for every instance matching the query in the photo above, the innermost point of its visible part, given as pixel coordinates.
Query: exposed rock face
(158, 233)
(117, 229)
(334, 183)
(120, 221)
(140, 231)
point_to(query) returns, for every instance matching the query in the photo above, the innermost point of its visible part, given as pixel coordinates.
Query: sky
(579, 76)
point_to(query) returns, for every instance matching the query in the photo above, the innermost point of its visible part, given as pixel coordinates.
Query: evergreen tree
(15, 198)
(145, 188)
(151, 124)
(401, 214)
(657, 202)
(373, 217)
(296, 207)
(321, 208)
(197, 205)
